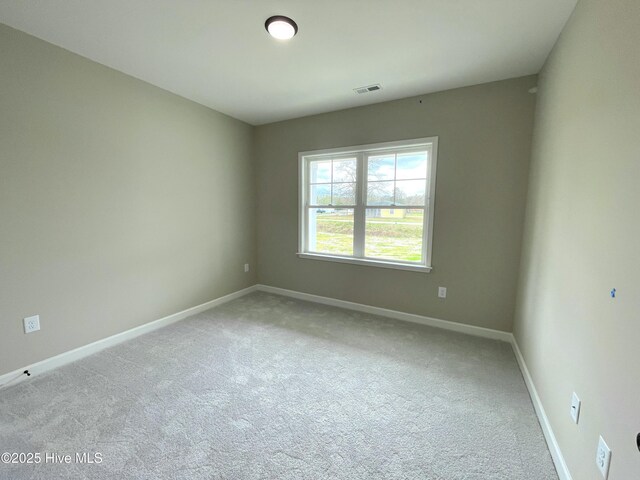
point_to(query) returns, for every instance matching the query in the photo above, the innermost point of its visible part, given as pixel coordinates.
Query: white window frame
(361, 152)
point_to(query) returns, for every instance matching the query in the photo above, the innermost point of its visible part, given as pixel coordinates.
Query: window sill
(366, 262)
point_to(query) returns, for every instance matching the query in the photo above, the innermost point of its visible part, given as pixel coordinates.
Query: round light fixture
(280, 27)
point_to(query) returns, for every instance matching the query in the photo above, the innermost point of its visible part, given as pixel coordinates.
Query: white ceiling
(217, 52)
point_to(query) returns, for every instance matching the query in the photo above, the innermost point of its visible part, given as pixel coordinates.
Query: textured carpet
(266, 387)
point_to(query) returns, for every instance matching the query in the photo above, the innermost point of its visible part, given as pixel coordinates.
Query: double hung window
(371, 204)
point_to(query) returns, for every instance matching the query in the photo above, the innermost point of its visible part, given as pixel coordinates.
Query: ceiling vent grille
(367, 89)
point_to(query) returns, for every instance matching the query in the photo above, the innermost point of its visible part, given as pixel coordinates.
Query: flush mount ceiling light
(280, 27)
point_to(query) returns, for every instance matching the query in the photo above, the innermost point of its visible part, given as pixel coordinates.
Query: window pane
(410, 192)
(320, 195)
(344, 170)
(394, 234)
(380, 193)
(331, 230)
(344, 194)
(381, 167)
(320, 171)
(411, 165)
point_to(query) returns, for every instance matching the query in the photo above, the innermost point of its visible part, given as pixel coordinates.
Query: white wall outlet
(32, 324)
(603, 458)
(575, 407)
(246, 267)
(442, 292)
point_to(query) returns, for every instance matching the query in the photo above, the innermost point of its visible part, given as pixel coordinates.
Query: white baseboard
(552, 443)
(407, 317)
(42, 366)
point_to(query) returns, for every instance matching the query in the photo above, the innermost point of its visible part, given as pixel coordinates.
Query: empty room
(339, 239)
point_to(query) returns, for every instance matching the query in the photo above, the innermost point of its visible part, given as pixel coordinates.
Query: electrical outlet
(442, 292)
(603, 458)
(246, 267)
(32, 324)
(575, 407)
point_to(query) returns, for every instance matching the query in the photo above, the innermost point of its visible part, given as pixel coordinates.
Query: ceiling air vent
(367, 89)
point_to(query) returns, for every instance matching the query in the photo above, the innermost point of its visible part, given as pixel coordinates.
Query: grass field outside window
(393, 238)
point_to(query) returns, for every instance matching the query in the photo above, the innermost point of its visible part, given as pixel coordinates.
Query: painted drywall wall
(582, 236)
(484, 149)
(120, 203)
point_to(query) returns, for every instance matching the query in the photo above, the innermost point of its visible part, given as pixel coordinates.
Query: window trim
(361, 152)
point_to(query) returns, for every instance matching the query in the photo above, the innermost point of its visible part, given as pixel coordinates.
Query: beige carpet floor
(266, 387)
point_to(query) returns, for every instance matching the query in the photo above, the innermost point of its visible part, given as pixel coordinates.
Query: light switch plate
(442, 292)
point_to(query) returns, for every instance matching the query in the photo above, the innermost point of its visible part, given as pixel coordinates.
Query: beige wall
(582, 238)
(120, 203)
(484, 149)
